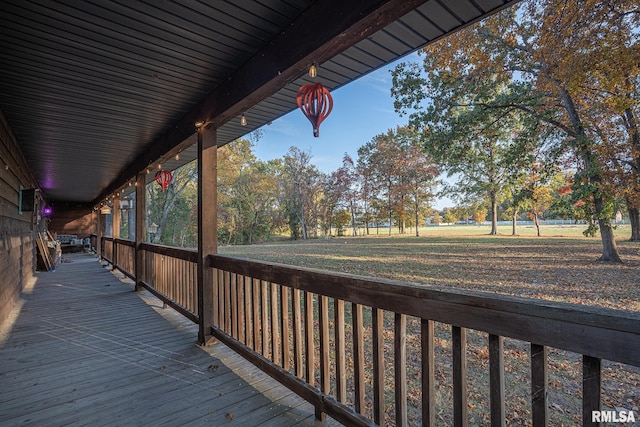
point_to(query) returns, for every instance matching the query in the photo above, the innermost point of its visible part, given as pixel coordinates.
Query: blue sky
(361, 110)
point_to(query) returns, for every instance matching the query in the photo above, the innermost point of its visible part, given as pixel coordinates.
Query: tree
(300, 191)
(247, 194)
(476, 144)
(449, 216)
(480, 215)
(537, 52)
(347, 181)
(172, 209)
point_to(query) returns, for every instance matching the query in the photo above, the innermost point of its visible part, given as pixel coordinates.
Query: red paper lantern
(316, 103)
(164, 179)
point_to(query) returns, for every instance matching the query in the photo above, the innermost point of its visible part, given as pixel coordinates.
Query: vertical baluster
(341, 376)
(234, 305)
(256, 314)
(496, 380)
(248, 312)
(400, 368)
(284, 326)
(275, 344)
(193, 280)
(216, 296)
(182, 283)
(358, 357)
(459, 349)
(241, 308)
(377, 320)
(221, 316)
(428, 381)
(227, 302)
(264, 305)
(297, 334)
(174, 282)
(325, 381)
(309, 345)
(591, 383)
(539, 413)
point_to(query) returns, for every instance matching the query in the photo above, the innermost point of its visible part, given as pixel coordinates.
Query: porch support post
(141, 226)
(115, 229)
(207, 226)
(115, 218)
(99, 233)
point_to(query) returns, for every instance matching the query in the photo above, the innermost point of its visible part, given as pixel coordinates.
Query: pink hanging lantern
(164, 179)
(316, 103)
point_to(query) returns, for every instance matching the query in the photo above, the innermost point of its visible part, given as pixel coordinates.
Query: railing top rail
(125, 242)
(170, 251)
(598, 332)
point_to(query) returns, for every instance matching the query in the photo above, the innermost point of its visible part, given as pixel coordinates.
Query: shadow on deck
(82, 348)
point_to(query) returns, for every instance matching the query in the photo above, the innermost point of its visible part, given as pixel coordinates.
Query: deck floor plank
(85, 349)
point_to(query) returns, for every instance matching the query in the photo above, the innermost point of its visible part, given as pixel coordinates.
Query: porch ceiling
(96, 90)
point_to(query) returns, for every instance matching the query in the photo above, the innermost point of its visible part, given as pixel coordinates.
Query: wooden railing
(169, 273)
(366, 351)
(311, 330)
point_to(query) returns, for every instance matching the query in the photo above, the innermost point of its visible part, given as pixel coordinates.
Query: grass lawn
(561, 266)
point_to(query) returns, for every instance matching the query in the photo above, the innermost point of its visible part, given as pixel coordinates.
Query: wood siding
(73, 218)
(16, 237)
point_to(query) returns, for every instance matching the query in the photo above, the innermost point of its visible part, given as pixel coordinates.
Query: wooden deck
(84, 349)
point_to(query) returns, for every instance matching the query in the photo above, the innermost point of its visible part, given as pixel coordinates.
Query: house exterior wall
(73, 218)
(17, 236)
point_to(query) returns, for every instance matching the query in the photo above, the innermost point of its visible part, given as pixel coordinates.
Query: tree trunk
(634, 218)
(494, 215)
(353, 218)
(609, 248)
(390, 212)
(514, 223)
(536, 222)
(417, 216)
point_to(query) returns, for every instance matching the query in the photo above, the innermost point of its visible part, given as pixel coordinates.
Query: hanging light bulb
(160, 166)
(148, 171)
(313, 71)
(178, 156)
(243, 120)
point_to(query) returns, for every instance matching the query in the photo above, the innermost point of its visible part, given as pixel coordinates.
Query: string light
(178, 156)
(160, 166)
(243, 120)
(313, 71)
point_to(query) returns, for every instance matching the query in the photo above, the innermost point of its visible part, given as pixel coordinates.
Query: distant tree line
(391, 182)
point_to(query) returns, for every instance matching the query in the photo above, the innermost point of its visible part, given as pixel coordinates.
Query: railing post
(207, 227)
(114, 253)
(539, 414)
(591, 383)
(141, 228)
(99, 234)
(459, 350)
